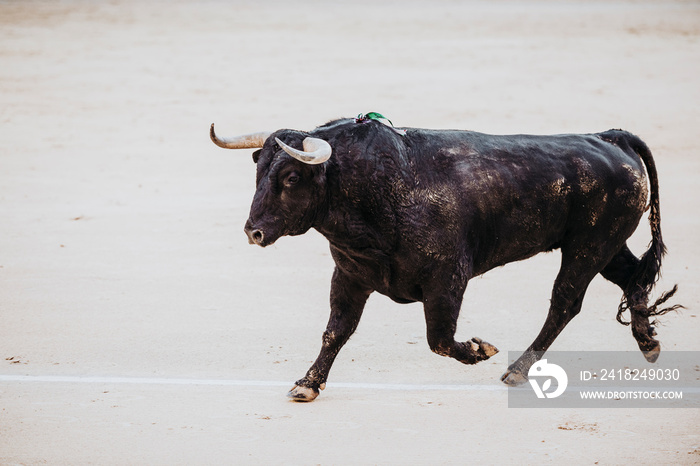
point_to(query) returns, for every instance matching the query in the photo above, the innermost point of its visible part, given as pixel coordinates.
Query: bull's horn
(246, 141)
(315, 151)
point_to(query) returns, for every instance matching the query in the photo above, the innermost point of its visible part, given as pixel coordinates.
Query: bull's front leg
(348, 299)
(441, 307)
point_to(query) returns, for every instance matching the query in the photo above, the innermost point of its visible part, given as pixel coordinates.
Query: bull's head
(290, 183)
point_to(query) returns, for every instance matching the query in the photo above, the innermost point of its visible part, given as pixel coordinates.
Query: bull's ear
(256, 155)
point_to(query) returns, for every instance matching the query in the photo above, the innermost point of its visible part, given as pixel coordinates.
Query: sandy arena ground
(122, 252)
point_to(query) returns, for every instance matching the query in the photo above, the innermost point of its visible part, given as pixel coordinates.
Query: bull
(414, 214)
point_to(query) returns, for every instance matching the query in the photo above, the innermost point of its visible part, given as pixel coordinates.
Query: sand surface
(122, 252)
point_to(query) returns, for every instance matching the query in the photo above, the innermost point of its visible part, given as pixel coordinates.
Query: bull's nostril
(255, 236)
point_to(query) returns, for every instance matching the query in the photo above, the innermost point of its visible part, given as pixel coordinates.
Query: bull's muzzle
(255, 235)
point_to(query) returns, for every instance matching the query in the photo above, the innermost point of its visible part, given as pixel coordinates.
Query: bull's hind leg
(620, 271)
(577, 270)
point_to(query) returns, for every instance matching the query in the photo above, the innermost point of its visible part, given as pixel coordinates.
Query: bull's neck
(357, 220)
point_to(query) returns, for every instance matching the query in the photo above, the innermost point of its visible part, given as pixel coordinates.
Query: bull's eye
(291, 180)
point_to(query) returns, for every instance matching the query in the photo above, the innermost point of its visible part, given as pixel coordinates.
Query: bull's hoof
(304, 394)
(513, 378)
(653, 354)
(484, 348)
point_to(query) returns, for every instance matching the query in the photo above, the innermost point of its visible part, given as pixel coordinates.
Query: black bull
(415, 213)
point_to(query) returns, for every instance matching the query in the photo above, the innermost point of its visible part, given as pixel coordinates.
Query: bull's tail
(648, 270)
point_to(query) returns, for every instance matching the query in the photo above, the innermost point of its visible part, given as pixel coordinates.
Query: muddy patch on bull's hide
(587, 181)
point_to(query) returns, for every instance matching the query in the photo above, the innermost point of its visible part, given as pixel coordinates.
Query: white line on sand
(236, 383)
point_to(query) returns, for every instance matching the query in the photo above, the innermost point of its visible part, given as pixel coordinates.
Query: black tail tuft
(649, 311)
